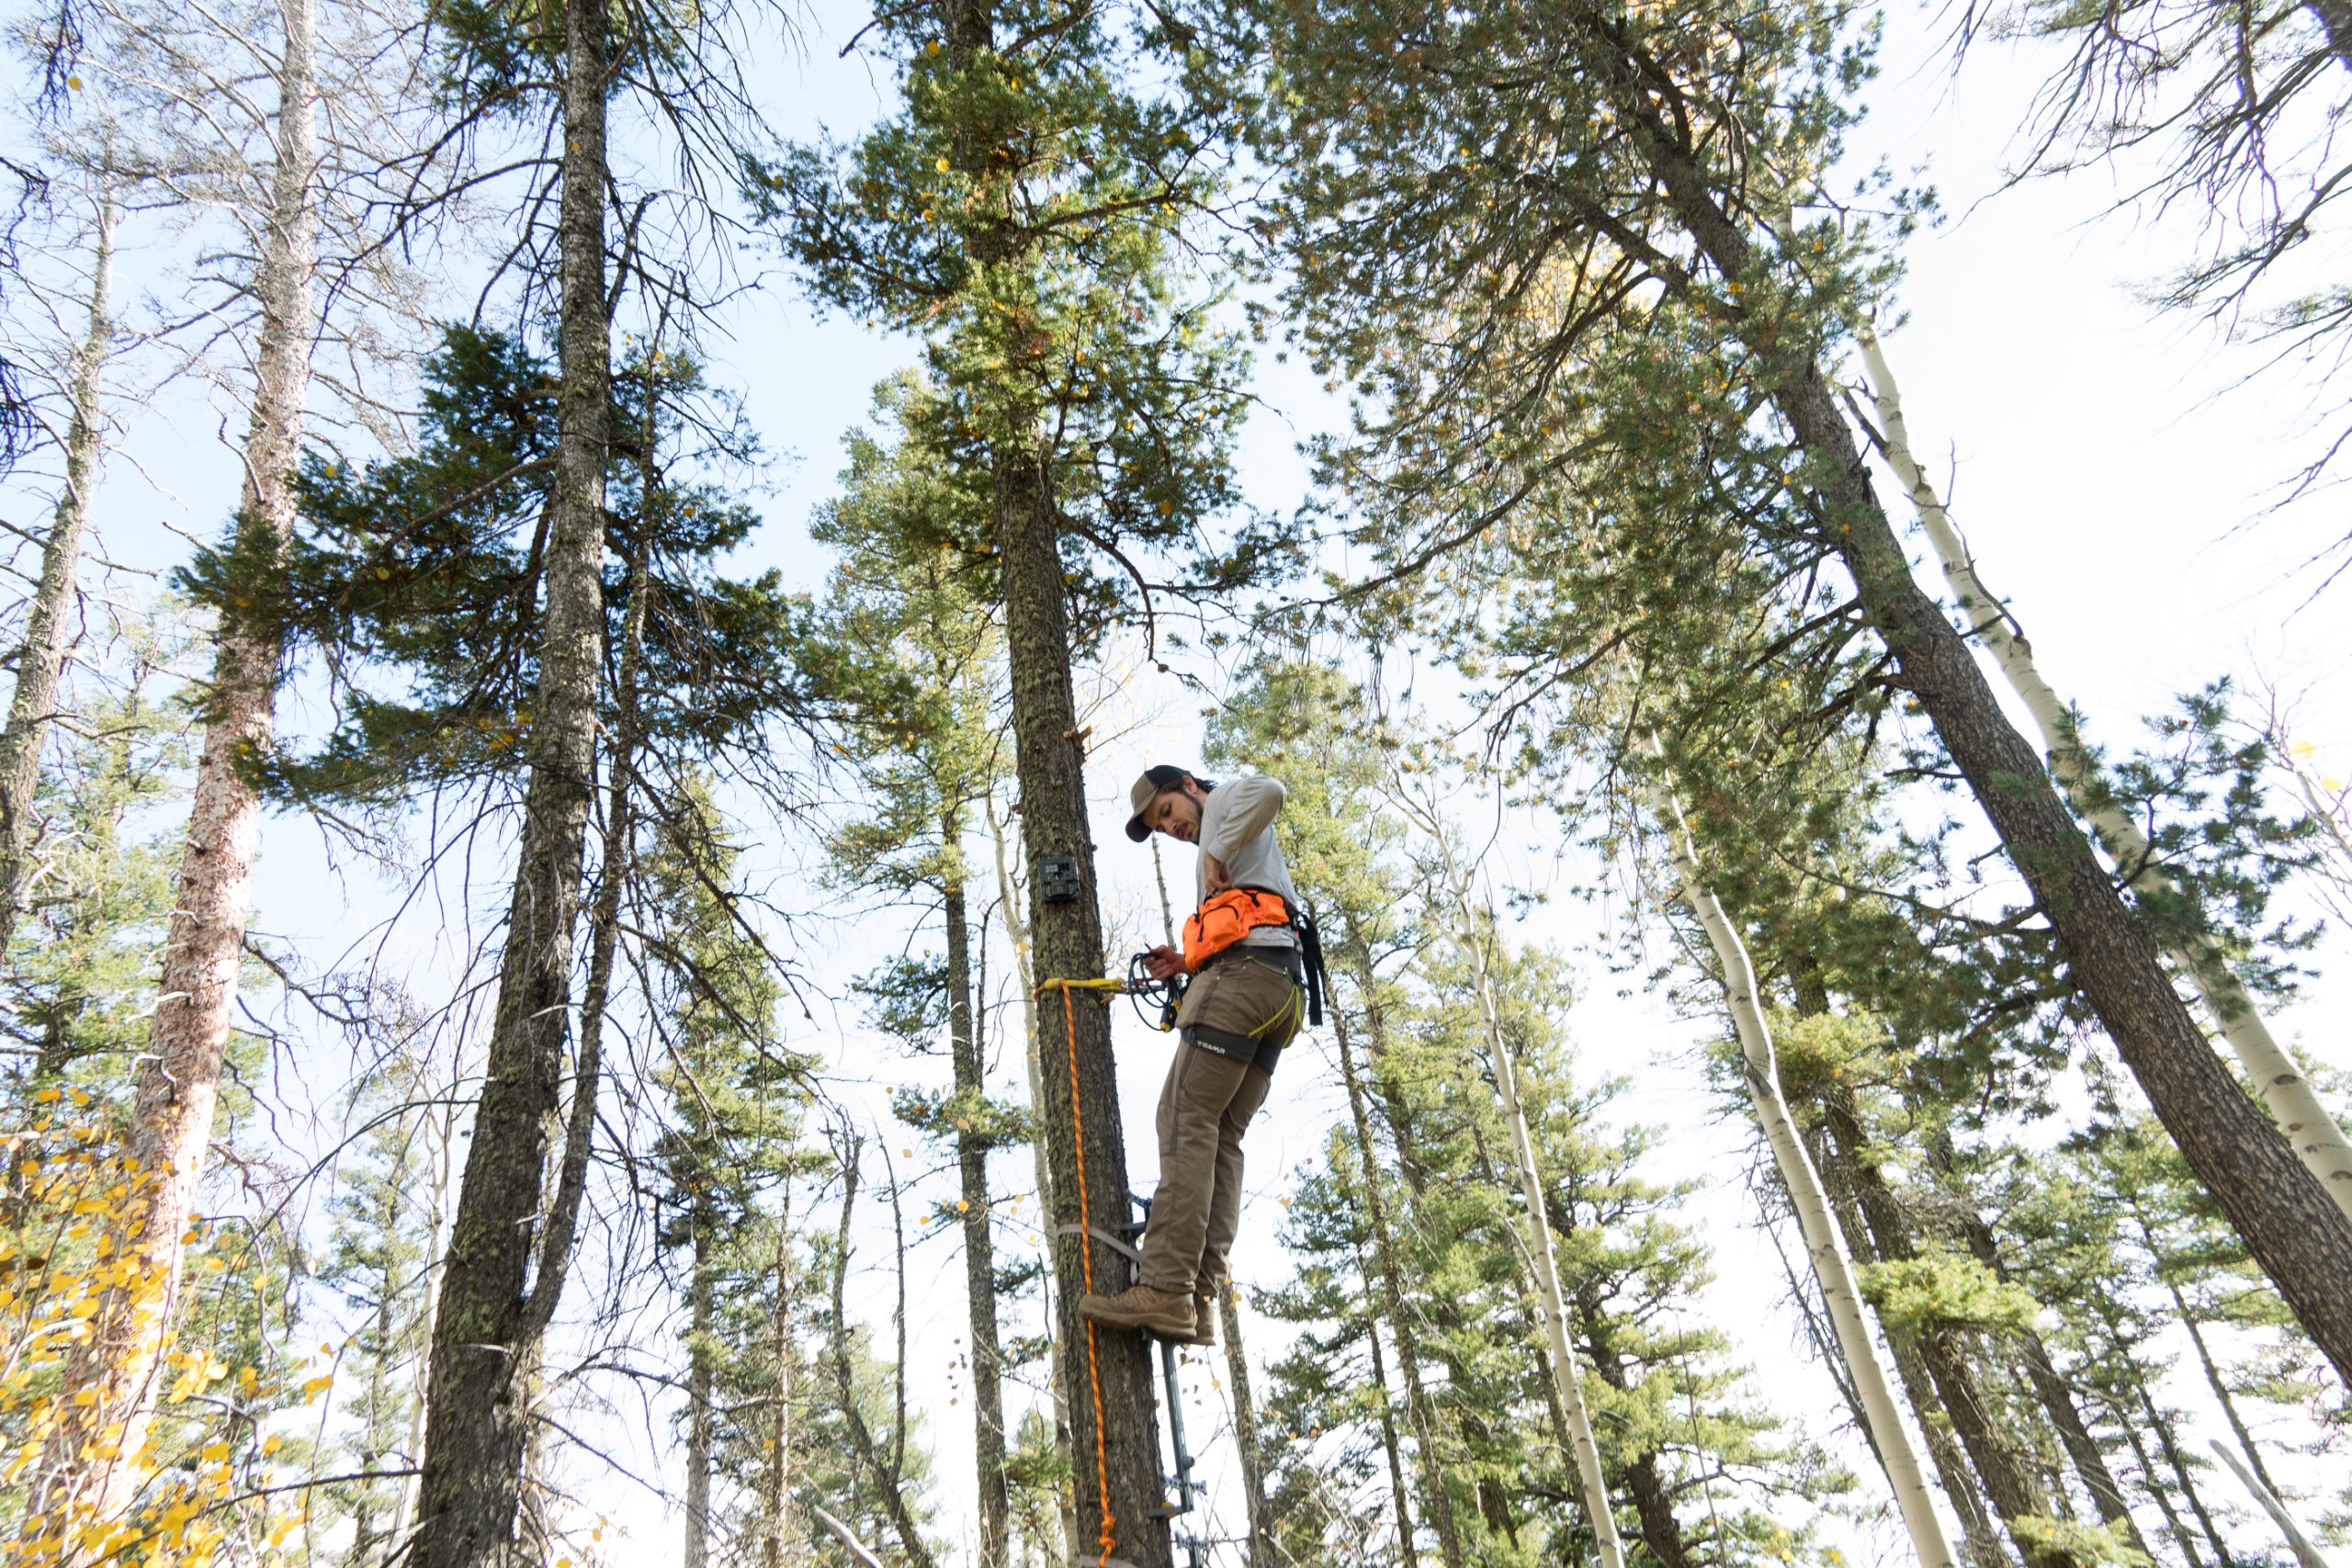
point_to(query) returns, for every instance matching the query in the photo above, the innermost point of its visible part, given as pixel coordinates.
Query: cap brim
(1137, 830)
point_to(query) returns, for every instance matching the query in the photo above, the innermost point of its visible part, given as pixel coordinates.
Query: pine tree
(1421, 135)
(912, 685)
(424, 580)
(738, 1104)
(378, 1259)
(1024, 210)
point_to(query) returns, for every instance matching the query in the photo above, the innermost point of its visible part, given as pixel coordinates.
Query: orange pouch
(1225, 919)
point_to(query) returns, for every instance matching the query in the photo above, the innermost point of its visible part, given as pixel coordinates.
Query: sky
(2107, 469)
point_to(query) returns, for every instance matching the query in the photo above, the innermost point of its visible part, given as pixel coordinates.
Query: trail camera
(1057, 881)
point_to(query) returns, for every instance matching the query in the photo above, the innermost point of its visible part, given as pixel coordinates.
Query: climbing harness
(1225, 918)
(1214, 929)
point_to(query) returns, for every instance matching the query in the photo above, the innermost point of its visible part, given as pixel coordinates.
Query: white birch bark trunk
(95, 1460)
(1823, 1244)
(1565, 1378)
(41, 661)
(2306, 1553)
(2318, 1140)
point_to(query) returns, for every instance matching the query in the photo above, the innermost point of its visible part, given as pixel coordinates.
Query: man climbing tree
(1025, 211)
(1242, 1008)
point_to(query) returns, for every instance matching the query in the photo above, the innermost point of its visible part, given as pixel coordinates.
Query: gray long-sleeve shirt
(1237, 827)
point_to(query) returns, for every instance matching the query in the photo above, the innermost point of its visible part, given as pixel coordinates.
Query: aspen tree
(1823, 1247)
(92, 1464)
(2318, 1140)
(1471, 941)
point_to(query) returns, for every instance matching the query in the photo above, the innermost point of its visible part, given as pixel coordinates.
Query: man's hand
(1213, 869)
(1162, 962)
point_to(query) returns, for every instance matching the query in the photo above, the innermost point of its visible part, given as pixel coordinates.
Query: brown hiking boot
(1165, 1313)
(1204, 1324)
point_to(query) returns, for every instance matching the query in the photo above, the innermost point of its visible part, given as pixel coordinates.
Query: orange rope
(1108, 1538)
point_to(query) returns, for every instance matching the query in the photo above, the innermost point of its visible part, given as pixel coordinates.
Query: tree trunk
(494, 1312)
(1024, 970)
(1979, 1541)
(1830, 1267)
(1586, 1452)
(2173, 1521)
(887, 1476)
(2057, 1399)
(1998, 1460)
(41, 661)
(2307, 1553)
(2289, 1223)
(2213, 1375)
(2168, 1444)
(698, 1397)
(91, 1464)
(980, 1248)
(1114, 1431)
(2317, 1138)
(1392, 1291)
(1245, 1431)
(776, 1483)
(1398, 1485)
(444, 1145)
(1661, 1531)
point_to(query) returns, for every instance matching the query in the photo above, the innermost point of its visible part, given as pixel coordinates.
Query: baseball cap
(1147, 790)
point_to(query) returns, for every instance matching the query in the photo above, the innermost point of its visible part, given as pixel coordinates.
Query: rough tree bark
(1024, 970)
(40, 660)
(90, 1465)
(2319, 1141)
(979, 1245)
(2289, 1221)
(506, 1262)
(1830, 1265)
(1114, 1454)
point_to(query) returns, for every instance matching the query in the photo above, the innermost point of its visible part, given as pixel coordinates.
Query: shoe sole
(1149, 1325)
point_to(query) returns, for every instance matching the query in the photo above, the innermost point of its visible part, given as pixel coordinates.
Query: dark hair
(1165, 776)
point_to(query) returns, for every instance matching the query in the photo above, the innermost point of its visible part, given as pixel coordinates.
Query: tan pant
(1204, 1107)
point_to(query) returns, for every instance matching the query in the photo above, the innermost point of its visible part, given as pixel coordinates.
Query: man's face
(1176, 812)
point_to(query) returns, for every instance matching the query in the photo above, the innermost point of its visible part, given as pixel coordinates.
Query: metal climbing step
(1181, 1480)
